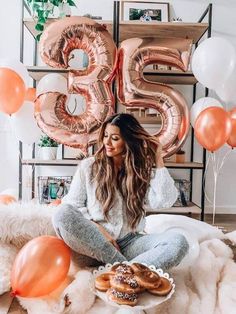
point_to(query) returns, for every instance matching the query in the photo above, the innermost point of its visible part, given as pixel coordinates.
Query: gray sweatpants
(164, 250)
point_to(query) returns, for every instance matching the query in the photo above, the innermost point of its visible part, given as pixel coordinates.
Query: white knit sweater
(161, 194)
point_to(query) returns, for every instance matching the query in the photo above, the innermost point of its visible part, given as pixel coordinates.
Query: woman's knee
(181, 243)
(65, 216)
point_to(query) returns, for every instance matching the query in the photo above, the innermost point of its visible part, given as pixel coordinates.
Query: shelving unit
(128, 29)
(122, 30)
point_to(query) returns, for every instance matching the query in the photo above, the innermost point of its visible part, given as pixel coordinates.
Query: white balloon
(52, 82)
(213, 62)
(194, 248)
(24, 124)
(18, 67)
(227, 91)
(200, 105)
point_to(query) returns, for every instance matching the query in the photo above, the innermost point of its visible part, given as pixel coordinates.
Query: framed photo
(52, 188)
(145, 11)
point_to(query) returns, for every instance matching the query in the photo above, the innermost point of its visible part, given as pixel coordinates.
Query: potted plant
(41, 9)
(48, 148)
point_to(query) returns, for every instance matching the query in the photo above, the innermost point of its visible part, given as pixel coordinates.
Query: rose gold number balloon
(94, 83)
(135, 91)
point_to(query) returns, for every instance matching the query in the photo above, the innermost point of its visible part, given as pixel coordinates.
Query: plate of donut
(133, 285)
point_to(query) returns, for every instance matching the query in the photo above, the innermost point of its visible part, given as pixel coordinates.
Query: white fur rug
(207, 286)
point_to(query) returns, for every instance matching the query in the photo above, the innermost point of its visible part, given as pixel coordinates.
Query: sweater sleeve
(77, 195)
(162, 192)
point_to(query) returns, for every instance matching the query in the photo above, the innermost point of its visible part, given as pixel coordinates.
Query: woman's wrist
(160, 162)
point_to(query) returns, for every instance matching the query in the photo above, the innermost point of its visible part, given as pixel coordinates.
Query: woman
(103, 215)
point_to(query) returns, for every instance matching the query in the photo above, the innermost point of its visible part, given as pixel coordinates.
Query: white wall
(224, 24)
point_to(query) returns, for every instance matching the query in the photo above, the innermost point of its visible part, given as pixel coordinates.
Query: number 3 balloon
(94, 83)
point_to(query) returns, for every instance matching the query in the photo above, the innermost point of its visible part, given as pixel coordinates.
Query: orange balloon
(6, 199)
(12, 91)
(30, 94)
(232, 138)
(40, 267)
(212, 128)
(55, 202)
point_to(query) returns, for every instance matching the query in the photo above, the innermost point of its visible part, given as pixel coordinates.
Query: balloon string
(217, 166)
(224, 158)
(75, 107)
(215, 174)
(204, 180)
(28, 172)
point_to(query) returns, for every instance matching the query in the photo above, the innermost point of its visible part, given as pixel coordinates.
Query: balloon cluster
(17, 100)
(213, 64)
(213, 125)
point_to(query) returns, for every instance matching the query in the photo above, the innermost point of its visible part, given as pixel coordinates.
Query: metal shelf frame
(116, 36)
(207, 13)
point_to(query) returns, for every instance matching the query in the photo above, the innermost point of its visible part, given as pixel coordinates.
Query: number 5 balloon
(135, 91)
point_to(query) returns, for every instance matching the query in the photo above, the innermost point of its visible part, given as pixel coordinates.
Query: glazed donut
(122, 269)
(148, 279)
(163, 289)
(125, 283)
(102, 282)
(139, 267)
(122, 297)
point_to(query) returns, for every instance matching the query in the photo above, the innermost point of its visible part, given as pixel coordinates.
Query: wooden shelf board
(191, 208)
(168, 77)
(187, 165)
(71, 162)
(56, 162)
(131, 29)
(171, 77)
(37, 72)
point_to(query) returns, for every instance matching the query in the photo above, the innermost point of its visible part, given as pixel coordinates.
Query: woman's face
(113, 142)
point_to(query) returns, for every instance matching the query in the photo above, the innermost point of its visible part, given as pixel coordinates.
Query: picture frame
(145, 11)
(51, 188)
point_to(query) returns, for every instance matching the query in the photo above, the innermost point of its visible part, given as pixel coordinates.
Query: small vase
(48, 153)
(180, 156)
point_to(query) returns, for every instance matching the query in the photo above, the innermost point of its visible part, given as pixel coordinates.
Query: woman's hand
(107, 236)
(159, 159)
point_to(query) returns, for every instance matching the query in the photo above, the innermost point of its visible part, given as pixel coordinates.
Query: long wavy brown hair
(133, 179)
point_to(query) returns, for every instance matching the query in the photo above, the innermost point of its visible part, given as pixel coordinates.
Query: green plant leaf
(36, 6)
(40, 13)
(41, 20)
(46, 141)
(71, 3)
(39, 27)
(55, 2)
(38, 37)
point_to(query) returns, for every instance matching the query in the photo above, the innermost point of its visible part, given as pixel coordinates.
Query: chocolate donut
(122, 297)
(125, 283)
(122, 269)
